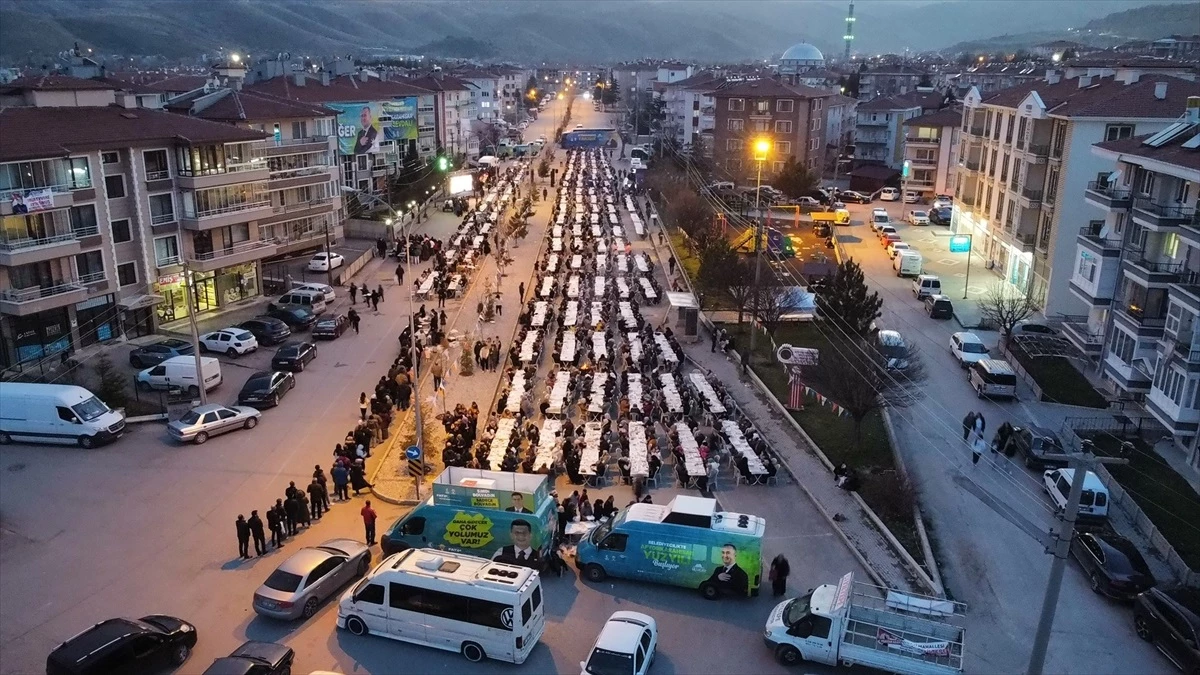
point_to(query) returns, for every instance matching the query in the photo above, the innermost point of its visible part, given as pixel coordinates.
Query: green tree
(795, 180)
(531, 94)
(848, 303)
(612, 93)
(112, 389)
(718, 267)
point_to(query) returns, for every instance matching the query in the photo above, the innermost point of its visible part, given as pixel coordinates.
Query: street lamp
(762, 148)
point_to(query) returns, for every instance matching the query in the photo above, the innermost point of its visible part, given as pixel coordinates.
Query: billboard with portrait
(358, 127)
(400, 122)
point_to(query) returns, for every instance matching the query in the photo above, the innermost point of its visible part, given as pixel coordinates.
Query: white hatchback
(230, 341)
(967, 348)
(889, 195)
(323, 262)
(626, 644)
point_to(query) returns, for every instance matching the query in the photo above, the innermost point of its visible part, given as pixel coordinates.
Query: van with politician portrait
(684, 543)
(509, 517)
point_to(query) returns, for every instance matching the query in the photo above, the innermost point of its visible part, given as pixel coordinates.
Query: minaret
(849, 32)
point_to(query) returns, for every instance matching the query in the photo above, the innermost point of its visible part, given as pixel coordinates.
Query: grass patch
(1060, 381)
(1160, 491)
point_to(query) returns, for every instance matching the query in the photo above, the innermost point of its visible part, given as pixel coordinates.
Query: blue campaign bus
(587, 138)
(684, 543)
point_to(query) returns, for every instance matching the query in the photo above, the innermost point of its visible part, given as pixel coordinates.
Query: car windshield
(974, 348)
(796, 609)
(283, 581)
(894, 351)
(90, 409)
(604, 662)
(326, 323)
(190, 417)
(260, 382)
(287, 350)
(920, 214)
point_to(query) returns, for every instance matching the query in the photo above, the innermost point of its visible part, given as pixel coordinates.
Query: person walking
(353, 293)
(780, 569)
(316, 500)
(354, 319)
(369, 516)
(399, 274)
(273, 524)
(436, 370)
(341, 479)
(967, 424)
(521, 291)
(714, 339)
(362, 406)
(671, 264)
(256, 531)
(379, 291)
(243, 536)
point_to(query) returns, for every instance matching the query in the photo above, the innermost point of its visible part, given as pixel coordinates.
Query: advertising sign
(482, 494)
(960, 243)
(357, 127)
(402, 122)
(729, 565)
(461, 184)
(32, 200)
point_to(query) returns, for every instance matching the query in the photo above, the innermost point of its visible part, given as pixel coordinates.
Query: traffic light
(443, 164)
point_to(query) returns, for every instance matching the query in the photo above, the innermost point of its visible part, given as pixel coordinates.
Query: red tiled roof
(439, 83)
(1105, 97)
(163, 83)
(53, 82)
(881, 103)
(239, 106)
(36, 133)
(770, 88)
(947, 117)
(340, 89)
(1170, 153)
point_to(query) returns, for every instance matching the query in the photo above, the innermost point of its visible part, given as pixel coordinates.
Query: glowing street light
(762, 147)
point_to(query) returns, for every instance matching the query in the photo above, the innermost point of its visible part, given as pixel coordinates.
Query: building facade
(880, 130)
(931, 150)
(689, 107)
(792, 117)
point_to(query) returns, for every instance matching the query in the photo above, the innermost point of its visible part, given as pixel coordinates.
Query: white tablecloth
(670, 393)
(648, 289)
(567, 353)
(528, 350)
(665, 350)
(737, 440)
(512, 404)
(596, 313)
(622, 288)
(547, 289)
(596, 400)
(571, 316)
(427, 284)
(573, 287)
(591, 449)
(600, 344)
(556, 245)
(691, 451)
(552, 263)
(623, 262)
(558, 392)
(504, 432)
(549, 447)
(635, 346)
(576, 261)
(627, 317)
(639, 455)
(539, 314)
(643, 263)
(705, 389)
(634, 391)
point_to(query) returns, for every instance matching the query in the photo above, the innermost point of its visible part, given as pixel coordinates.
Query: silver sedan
(297, 587)
(204, 421)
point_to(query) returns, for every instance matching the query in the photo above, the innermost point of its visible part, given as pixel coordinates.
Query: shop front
(96, 320)
(211, 290)
(29, 338)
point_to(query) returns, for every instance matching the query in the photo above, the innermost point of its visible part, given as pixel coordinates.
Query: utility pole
(187, 290)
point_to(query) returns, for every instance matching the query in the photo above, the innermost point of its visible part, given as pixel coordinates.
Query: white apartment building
(1026, 157)
(931, 149)
(1137, 271)
(454, 112)
(690, 109)
(879, 136)
(486, 99)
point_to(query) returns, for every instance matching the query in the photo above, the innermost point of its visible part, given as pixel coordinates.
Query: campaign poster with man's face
(358, 128)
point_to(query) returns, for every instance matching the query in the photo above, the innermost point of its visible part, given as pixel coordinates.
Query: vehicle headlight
(185, 628)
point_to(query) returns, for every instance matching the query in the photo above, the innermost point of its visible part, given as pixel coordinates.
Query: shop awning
(140, 301)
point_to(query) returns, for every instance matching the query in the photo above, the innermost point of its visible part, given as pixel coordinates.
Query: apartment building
(454, 112)
(1025, 159)
(841, 125)
(880, 129)
(304, 180)
(101, 202)
(1129, 68)
(993, 76)
(931, 149)
(485, 93)
(791, 116)
(690, 108)
(889, 80)
(1137, 271)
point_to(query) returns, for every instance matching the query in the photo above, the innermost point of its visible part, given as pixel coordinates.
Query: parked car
(852, 197)
(1170, 618)
(204, 421)
(939, 307)
(941, 215)
(926, 284)
(912, 197)
(157, 352)
(1093, 503)
(879, 218)
(298, 586)
(896, 247)
(294, 356)
(885, 229)
(807, 202)
(255, 658)
(267, 329)
(918, 217)
(1113, 564)
(626, 644)
(887, 238)
(323, 289)
(325, 262)
(330, 327)
(1033, 443)
(893, 348)
(1033, 328)
(296, 317)
(942, 202)
(266, 388)
(232, 342)
(145, 645)
(967, 348)
(889, 194)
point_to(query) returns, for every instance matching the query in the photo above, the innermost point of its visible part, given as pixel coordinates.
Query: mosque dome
(804, 54)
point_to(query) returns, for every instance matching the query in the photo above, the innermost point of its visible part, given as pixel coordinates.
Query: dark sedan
(255, 658)
(296, 317)
(154, 354)
(265, 389)
(852, 197)
(268, 330)
(941, 216)
(149, 644)
(1170, 618)
(1114, 565)
(330, 327)
(294, 356)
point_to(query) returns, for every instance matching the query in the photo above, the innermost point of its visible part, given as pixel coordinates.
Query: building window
(814, 144)
(783, 126)
(156, 164)
(783, 148)
(784, 105)
(762, 106)
(114, 186)
(1122, 346)
(83, 220)
(90, 265)
(733, 144)
(733, 164)
(127, 274)
(1115, 132)
(777, 167)
(762, 125)
(1022, 131)
(737, 104)
(166, 251)
(736, 125)
(817, 104)
(816, 124)
(1087, 266)
(362, 162)
(110, 158)
(162, 209)
(120, 231)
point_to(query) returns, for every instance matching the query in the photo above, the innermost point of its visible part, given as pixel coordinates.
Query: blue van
(502, 515)
(685, 543)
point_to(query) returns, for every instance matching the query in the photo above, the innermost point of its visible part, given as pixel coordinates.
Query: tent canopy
(682, 300)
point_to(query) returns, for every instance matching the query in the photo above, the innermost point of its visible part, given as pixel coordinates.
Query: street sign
(960, 243)
(412, 452)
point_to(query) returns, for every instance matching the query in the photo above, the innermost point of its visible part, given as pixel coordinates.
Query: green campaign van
(489, 514)
(685, 543)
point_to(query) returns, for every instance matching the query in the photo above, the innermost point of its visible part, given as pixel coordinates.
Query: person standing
(362, 406)
(780, 569)
(256, 531)
(243, 536)
(521, 292)
(316, 501)
(292, 510)
(399, 274)
(276, 528)
(354, 320)
(379, 291)
(341, 478)
(319, 476)
(353, 293)
(671, 264)
(436, 370)
(369, 516)
(714, 339)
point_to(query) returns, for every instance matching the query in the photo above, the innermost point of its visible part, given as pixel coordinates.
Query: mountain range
(522, 30)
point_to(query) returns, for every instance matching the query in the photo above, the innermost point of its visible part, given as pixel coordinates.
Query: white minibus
(56, 413)
(993, 378)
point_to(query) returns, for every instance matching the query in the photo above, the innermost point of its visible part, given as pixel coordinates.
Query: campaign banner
(893, 641)
(730, 566)
(486, 496)
(400, 123)
(358, 127)
(32, 200)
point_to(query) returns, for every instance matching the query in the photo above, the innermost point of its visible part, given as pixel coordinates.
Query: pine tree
(111, 389)
(848, 303)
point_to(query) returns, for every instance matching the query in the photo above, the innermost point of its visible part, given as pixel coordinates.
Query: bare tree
(741, 286)
(1005, 308)
(862, 380)
(772, 306)
(488, 134)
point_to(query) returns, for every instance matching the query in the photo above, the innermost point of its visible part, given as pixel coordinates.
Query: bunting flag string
(798, 392)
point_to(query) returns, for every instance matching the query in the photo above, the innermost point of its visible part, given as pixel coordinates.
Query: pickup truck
(851, 623)
(835, 217)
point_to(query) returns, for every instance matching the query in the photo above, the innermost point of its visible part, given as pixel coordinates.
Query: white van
(926, 284)
(473, 606)
(314, 300)
(325, 290)
(56, 413)
(889, 194)
(180, 371)
(1093, 503)
(907, 263)
(993, 378)
(879, 218)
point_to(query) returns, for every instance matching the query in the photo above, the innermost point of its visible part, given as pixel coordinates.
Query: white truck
(851, 623)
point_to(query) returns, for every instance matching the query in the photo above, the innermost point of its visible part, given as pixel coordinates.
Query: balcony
(1025, 241)
(291, 146)
(247, 251)
(927, 142)
(1156, 272)
(160, 219)
(27, 301)
(60, 195)
(250, 172)
(1135, 319)
(1187, 350)
(169, 261)
(1107, 196)
(1090, 237)
(294, 178)
(1158, 215)
(230, 215)
(970, 165)
(1031, 198)
(24, 251)
(1077, 332)
(282, 214)
(976, 131)
(1038, 152)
